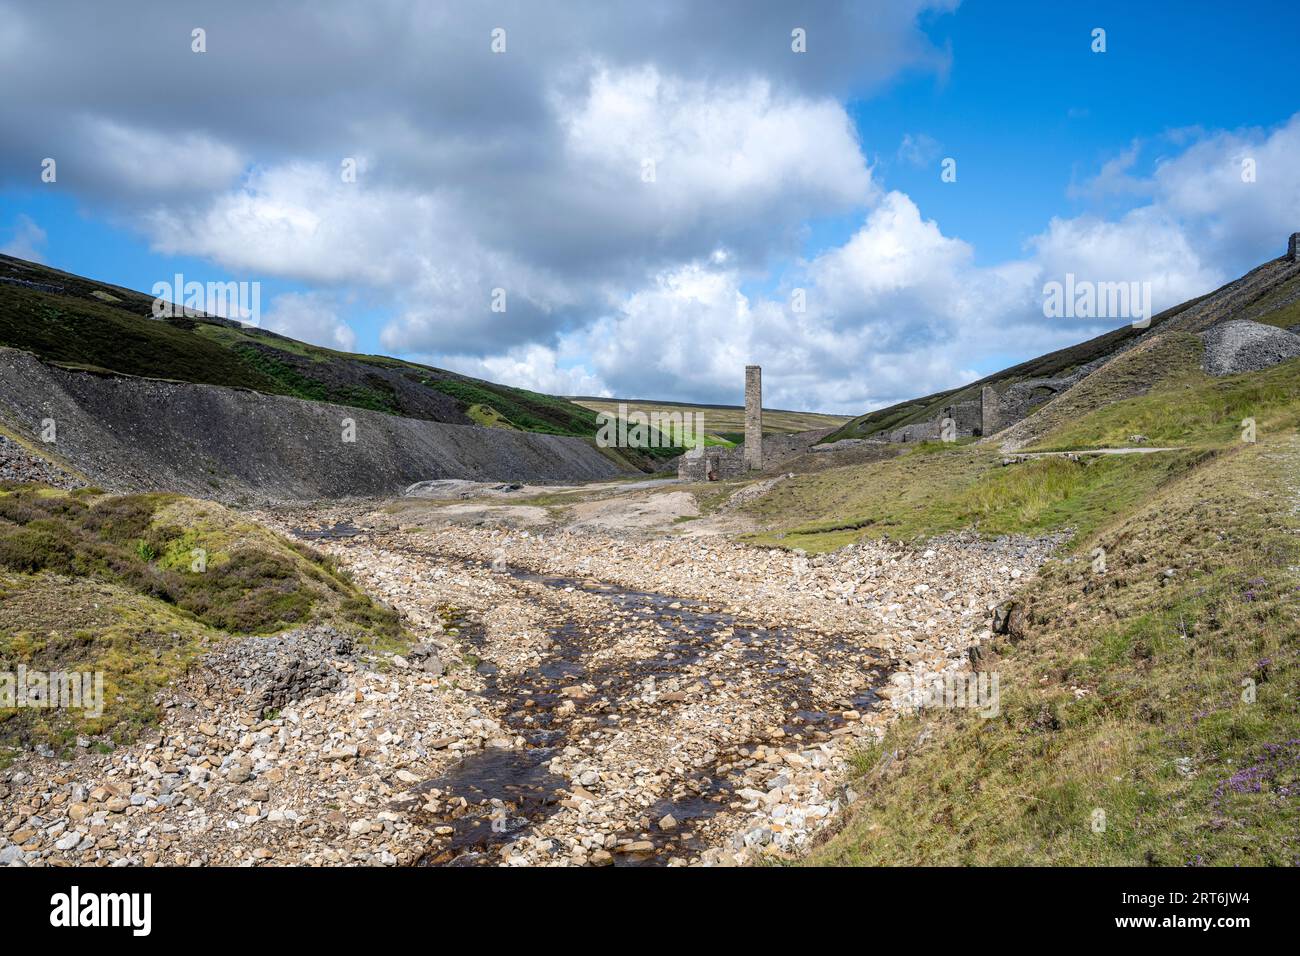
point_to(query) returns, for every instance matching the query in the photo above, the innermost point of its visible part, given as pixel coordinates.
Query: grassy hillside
(96, 582)
(1150, 711)
(1185, 408)
(1172, 359)
(1160, 393)
(85, 324)
(945, 487)
(1148, 716)
(1057, 363)
(1280, 307)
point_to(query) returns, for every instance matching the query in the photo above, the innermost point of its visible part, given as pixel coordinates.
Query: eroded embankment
(128, 433)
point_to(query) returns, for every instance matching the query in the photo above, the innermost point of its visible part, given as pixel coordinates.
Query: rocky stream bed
(574, 698)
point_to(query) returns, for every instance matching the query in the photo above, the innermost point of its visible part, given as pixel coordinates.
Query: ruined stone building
(758, 451)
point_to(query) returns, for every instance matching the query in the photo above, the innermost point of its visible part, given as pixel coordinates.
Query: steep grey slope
(1040, 384)
(1133, 368)
(127, 433)
(83, 323)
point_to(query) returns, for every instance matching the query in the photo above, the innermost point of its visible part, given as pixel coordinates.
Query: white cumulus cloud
(311, 317)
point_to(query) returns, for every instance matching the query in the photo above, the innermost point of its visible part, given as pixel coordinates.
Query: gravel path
(1082, 452)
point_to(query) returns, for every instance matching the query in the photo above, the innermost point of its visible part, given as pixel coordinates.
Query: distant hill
(1052, 364)
(82, 323)
(1057, 381)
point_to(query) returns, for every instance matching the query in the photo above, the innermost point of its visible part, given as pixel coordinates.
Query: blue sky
(1029, 109)
(816, 171)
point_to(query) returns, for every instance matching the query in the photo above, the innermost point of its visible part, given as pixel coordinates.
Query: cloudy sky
(665, 191)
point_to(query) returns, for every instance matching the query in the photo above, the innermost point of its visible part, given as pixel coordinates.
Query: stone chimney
(753, 416)
(990, 411)
(1293, 247)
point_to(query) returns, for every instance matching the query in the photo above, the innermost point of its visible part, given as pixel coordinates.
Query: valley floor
(579, 696)
(638, 671)
(607, 674)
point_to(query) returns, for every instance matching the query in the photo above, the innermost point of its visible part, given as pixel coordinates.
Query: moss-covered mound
(133, 586)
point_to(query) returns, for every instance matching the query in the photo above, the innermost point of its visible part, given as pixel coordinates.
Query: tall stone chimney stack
(1293, 247)
(753, 416)
(990, 411)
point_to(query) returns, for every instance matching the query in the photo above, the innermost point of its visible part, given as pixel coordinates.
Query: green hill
(1060, 362)
(1158, 697)
(1119, 364)
(81, 323)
